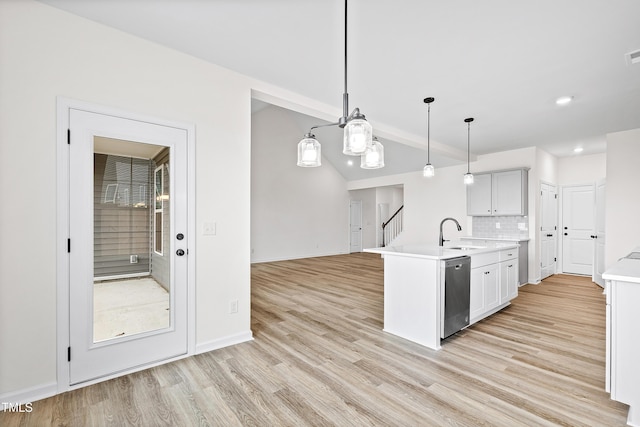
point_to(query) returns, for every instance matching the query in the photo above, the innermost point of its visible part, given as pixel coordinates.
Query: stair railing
(392, 227)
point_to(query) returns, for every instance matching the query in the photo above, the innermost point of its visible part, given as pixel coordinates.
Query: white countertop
(625, 270)
(433, 251)
(502, 239)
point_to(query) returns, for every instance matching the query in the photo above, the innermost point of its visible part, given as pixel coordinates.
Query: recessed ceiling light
(564, 100)
(350, 162)
(578, 150)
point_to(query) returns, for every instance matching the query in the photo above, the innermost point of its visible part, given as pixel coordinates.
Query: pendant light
(468, 177)
(373, 158)
(309, 152)
(428, 171)
(358, 133)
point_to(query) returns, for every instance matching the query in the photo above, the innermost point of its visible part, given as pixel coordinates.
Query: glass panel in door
(131, 223)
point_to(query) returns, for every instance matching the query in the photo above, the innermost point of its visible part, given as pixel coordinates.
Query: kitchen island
(622, 289)
(414, 286)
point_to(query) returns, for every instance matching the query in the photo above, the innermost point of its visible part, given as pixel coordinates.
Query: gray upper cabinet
(498, 193)
(479, 196)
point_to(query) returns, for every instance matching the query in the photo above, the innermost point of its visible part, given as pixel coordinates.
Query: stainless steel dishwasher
(457, 273)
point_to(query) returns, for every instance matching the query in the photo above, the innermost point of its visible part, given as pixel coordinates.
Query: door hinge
(555, 196)
(68, 136)
(68, 354)
(68, 246)
(555, 260)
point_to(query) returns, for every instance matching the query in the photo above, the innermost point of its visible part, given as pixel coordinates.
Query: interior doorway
(355, 226)
(578, 222)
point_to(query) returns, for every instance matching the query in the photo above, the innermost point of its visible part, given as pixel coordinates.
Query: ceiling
(502, 62)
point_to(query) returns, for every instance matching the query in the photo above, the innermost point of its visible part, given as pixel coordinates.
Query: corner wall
(622, 227)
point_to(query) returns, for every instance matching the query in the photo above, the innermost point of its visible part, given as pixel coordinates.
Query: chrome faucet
(441, 242)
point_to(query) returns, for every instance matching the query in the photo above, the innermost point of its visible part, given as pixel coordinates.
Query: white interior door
(126, 176)
(548, 229)
(578, 223)
(355, 225)
(599, 235)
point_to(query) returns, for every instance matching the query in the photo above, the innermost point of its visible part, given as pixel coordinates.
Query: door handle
(180, 252)
(549, 235)
(566, 234)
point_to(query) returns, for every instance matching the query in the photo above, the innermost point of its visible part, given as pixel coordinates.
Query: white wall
(580, 169)
(295, 212)
(45, 53)
(622, 212)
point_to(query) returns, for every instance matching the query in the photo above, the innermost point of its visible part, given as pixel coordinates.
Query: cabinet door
(491, 286)
(479, 196)
(507, 193)
(476, 302)
(509, 275)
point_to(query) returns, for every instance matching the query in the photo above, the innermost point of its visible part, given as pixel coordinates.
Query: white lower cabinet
(508, 280)
(494, 282)
(485, 293)
(623, 346)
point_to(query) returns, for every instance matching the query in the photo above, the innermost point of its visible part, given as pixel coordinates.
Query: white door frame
(541, 231)
(63, 231)
(599, 233)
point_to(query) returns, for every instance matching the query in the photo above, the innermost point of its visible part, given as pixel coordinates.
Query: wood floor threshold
(320, 358)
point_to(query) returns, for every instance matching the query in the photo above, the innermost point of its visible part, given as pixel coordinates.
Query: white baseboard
(30, 394)
(224, 342)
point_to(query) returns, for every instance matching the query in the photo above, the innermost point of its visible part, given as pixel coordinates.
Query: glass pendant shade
(358, 136)
(428, 171)
(373, 158)
(309, 153)
(468, 178)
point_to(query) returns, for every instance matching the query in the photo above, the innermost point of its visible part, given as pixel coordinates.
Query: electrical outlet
(497, 225)
(133, 259)
(233, 306)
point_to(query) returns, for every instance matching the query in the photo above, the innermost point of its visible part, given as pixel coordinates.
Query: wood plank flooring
(320, 358)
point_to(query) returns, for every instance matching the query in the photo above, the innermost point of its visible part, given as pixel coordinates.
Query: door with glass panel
(128, 222)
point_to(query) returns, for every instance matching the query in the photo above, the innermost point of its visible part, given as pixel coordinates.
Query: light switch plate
(209, 229)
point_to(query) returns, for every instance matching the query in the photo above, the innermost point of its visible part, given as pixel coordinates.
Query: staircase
(392, 227)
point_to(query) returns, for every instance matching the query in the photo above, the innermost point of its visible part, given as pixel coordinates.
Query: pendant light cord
(345, 96)
(429, 133)
(468, 144)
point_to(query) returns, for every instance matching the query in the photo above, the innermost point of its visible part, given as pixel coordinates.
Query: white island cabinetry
(622, 289)
(414, 287)
(494, 282)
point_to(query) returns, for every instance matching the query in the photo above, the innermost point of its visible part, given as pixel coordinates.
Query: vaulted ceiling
(502, 62)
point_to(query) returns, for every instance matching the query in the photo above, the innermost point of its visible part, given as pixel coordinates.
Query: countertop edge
(501, 239)
(453, 254)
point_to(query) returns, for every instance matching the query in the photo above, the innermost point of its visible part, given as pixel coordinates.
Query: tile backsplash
(500, 226)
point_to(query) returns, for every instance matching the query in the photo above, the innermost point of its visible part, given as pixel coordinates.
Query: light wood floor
(320, 358)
